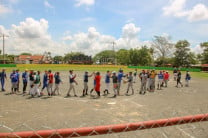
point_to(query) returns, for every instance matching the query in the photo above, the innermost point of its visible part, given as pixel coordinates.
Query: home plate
(112, 103)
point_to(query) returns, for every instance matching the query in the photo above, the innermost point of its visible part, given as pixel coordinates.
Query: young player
(14, 81)
(24, 80)
(45, 81)
(94, 84)
(2, 79)
(120, 76)
(148, 80)
(31, 78)
(72, 83)
(152, 80)
(36, 84)
(107, 82)
(175, 72)
(143, 77)
(58, 81)
(188, 78)
(179, 79)
(115, 83)
(166, 78)
(97, 84)
(135, 75)
(130, 83)
(160, 80)
(18, 77)
(50, 83)
(86, 76)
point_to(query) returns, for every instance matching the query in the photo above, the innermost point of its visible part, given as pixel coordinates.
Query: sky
(90, 26)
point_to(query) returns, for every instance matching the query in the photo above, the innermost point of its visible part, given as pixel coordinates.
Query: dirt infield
(21, 113)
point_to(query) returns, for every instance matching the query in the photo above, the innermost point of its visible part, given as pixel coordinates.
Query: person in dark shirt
(86, 76)
(45, 81)
(115, 83)
(107, 82)
(2, 79)
(25, 80)
(179, 79)
(58, 81)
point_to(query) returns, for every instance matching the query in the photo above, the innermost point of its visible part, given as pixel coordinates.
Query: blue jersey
(14, 77)
(25, 77)
(160, 76)
(120, 75)
(45, 79)
(107, 78)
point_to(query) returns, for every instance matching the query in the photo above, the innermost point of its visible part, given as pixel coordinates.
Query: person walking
(45, 82)
(160, 80)
(130, 83)
(97, 84)
(2, 79)
(37, 84)
(25, 80)
(187, 78)
(58, 81)
(115, 83)
(71, 83)
(50, 83)
(143, 76)
(166, 78)
(107, 82)
(86, 76)
(14, 81)
(179, 79)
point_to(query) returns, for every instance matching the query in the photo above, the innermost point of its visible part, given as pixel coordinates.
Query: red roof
(204, 65)
(28, 57)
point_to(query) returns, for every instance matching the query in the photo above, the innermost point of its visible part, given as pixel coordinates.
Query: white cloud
(48, 5)
(32, 36)
(197, 49)
(84, 2)
(177, 9)
(4, 9)
(93, 41)
(199, 12)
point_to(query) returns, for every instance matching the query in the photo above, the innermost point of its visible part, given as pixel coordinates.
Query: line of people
(147, 79)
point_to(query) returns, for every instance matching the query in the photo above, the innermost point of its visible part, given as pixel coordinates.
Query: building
(29, 59)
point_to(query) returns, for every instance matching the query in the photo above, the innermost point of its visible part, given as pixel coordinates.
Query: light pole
(3, 36)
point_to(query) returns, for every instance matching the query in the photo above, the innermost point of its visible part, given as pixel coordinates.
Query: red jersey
(97, 83)
(50, 77)
(166, 76)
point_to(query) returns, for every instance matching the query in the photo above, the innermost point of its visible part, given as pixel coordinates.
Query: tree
(183, 57)
(69, 56)
(204, 57)
(122, 57)
(58, 59)
(163, 47)
(140, 57)
(104, 57)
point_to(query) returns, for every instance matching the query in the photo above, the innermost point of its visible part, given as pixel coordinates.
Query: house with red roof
(29, 59)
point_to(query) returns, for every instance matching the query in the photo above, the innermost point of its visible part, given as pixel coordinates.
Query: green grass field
(90, 68)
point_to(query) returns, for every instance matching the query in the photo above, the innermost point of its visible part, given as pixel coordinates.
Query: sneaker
(75, 95)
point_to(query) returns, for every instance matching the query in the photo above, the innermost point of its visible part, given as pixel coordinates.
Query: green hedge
(8, 65)
(164, 68)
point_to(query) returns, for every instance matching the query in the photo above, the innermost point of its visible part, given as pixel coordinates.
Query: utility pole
(3, 36)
